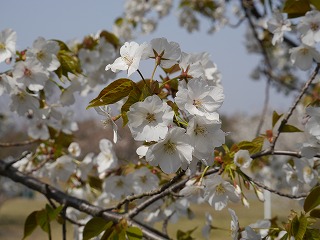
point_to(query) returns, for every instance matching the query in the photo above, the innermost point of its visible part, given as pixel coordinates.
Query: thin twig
(79, 204)
(293, 107)
(150, 193)
(135, 211)
(265, 107)
(273, 190)
(18, 144)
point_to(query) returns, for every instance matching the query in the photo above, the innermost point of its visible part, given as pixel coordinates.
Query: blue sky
(67, 20)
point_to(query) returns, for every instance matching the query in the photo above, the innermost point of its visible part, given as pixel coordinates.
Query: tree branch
(18, 144)
(8, 171)
(293, 107)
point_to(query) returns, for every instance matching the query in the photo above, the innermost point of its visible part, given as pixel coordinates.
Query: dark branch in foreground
(8, 171)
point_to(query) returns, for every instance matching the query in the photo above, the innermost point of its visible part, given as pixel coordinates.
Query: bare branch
(261, 185)
(293, 107)
(19, 144)
(7, 170)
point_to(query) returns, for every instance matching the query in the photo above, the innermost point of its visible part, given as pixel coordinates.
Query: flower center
(170, 147)
(197, 103)
(2, 46)
(150, 117)
(143, 179)
(127, 59)
(119, 183)
(240, 160)
(40, 55)
(304, 51)
(200, 130)
(27, 72)
(307, 171)
(314, 27)
(220, 190)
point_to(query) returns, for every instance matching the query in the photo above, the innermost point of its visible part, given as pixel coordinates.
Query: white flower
(234, 224)
(8, 40)
(313, 123)
(38, 129)
(130, 55)
(208, 226)
(5, 85)
(200, 99)
(205, 135)
(89, 59)
(262, 226)
(22, 102)
(218, 192)
(249, 233)
(108, 121)
(166, 54)
(107, 159)
(306, 173)
(309, 27)
(66, 124)
(85, 167)
(45, 52)
(277, 25)
(172, 152)
(118, 186)
(31, 74)
(149, 120)
(242, 158)
(190, 66)
(62, 168)
(74, 149)
(143, 180)
(192, 188)
(303, 56)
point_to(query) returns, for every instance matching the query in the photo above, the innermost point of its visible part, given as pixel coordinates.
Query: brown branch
(135, 211)
(19, 144)
(51, 192)
(293, 107)
(150, 193)
(273, 190)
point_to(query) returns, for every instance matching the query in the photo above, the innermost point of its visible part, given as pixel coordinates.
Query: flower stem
(144, 81)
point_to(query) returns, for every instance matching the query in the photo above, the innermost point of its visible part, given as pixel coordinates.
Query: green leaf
(254, 146)
(53, 213)
(43, 220)
(313, 234)
(299, 226)
(30, 224)
(62, 45)
(68, 63)
(312, 200)
(185, 235)
(110, 38)
(114, 92)
(275, 118)
(315, 3)
(94, 227)
(134, 233)
(315, 213)
(296, 8)
(289, 128)
(133, 97)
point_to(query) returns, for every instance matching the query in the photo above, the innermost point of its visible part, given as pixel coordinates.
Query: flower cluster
(175, 139)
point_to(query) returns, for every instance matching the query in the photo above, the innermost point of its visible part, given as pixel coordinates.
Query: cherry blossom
(242, 158)
(130, 55)
(172, 152)
(198, 98)
(218, 192)
(8, 39)
(149, 120)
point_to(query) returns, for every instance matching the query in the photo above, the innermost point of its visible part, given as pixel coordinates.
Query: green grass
(14, 212)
